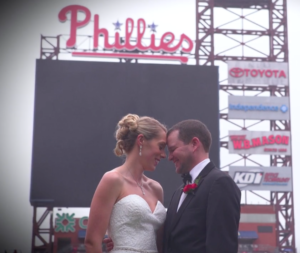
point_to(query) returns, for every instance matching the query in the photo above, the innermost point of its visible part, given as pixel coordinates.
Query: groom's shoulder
(216, 173)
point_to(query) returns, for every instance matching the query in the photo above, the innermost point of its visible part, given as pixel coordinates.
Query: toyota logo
(236, 72)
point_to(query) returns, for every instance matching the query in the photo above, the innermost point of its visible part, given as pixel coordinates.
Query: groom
(203, 215)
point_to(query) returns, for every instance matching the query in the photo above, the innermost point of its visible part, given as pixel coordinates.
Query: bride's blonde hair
(130, 126)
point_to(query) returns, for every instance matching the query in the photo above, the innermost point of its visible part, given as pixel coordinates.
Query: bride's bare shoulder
(112, 176)
(156, 188)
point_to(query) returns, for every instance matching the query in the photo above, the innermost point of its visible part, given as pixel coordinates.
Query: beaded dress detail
(133, 226)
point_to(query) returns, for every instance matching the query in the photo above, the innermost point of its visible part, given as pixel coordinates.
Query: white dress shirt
(194, 173)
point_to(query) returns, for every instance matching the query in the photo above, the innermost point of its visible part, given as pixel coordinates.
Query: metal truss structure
(42, 231)
(275, 34)
(208, 34)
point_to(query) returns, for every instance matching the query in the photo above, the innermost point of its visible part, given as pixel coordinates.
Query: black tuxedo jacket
(208, 220)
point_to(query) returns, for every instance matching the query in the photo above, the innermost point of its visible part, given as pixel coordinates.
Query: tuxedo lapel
(171, 214)
(190, 196)
(176, 202)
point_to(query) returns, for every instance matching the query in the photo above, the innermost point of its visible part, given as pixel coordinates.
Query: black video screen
(78, 105)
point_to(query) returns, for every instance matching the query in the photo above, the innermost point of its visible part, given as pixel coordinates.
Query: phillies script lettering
(167, 41)
(240, 141)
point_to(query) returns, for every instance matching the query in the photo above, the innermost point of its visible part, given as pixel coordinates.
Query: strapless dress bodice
(133, 225)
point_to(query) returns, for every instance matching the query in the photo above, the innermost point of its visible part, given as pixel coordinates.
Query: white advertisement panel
(250, 72)
(259, 142)
(277, 179)
(268, 108)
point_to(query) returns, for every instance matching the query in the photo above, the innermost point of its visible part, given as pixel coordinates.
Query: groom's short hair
(188, 129)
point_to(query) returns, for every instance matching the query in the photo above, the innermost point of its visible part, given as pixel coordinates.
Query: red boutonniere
(190, 188)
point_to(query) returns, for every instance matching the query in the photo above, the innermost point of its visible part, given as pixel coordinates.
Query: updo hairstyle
(130, 126)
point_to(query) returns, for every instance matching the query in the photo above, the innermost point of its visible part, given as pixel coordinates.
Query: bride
(126, 203)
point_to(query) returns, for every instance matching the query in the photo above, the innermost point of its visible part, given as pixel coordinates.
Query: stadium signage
(167, 42)
(66, 222)
(257, 108)
(256, 142)
(239, 72)
(271, 73)
(266, 108)
(262, 178)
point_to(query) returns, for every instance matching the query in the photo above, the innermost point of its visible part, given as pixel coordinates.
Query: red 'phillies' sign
(164, 45)
(239, 72)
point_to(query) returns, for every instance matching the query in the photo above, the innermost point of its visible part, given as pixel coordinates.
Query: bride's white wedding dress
(133, 226)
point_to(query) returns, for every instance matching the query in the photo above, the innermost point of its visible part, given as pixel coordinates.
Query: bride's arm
(102, 204)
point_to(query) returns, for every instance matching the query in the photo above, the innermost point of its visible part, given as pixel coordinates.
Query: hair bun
(119, 149)
(129, 121)
(126, 127)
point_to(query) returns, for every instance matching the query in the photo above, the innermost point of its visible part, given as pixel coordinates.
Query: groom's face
(179, 153)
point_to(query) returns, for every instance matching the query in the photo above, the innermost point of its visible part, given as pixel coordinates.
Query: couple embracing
(203, 215)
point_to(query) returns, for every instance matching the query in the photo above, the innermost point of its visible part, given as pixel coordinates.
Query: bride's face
(153, 151)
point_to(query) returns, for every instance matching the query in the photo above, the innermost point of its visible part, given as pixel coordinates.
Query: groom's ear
(196, 143)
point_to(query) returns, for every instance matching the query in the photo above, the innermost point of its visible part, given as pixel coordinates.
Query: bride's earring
(140, 153)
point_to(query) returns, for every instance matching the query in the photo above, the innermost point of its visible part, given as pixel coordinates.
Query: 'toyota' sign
(166, 42)
(256, 72)
(239, 72)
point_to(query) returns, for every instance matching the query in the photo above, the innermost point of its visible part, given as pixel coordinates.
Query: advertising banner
(268, 108)
(278, 179)
(250, 72)
(259, 142)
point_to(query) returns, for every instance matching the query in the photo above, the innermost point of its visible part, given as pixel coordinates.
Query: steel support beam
(204, 52)
(41, 236)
